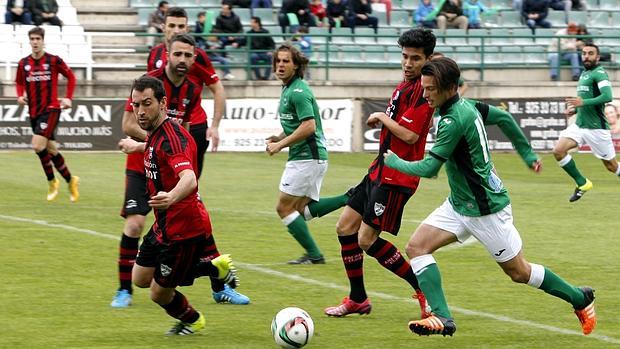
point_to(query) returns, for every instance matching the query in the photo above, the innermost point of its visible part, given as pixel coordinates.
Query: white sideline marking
(304, 279)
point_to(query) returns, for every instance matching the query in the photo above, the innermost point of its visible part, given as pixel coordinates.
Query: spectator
(156, 22)
(261, 3)
(337, 14)
(359, 14)
(318, 10)
(303, 41)
(44, 11)
(388, 8)
(611, 112)
(568, 50)
(299, 10)
(228, 22)
(534, 13)
(451, 15)
(17, 11)
(425, 10)
(237, 3)
(567, 6)
(211, 45)
(262, 49)
(472, 9)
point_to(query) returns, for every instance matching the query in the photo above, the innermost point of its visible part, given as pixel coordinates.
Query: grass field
(58, 262)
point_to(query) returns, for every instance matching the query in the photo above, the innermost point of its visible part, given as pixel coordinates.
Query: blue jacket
(422, 11)
(472, 11)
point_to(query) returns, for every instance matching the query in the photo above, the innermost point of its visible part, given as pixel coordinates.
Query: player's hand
(128, 145)
(272, 139)
(162, 200)
(273, 148)
(213, 134)
(22, 100)
(537, 166)
(574, 102)
(65, 103)
(570, 111)
(387, 154)
(374, 120)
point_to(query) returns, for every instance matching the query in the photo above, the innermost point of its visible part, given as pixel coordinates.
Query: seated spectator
(451, 16)
(228, 22)
(388, 8)
(612, 115)
(318, 10)
(44, 11)
(303, 41)
(261, 3)
(213, 48)
(359, 14)
(534, 13)
(17, 11)
(472, 9)
(237, 3)
(199, 28)
(337, 14)
(568, 50)
(567, 6)
(262, 49)
(299, 10)
(156, 22)
(423, 15)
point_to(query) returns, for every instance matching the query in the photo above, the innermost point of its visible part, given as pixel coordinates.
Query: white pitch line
(304, 279)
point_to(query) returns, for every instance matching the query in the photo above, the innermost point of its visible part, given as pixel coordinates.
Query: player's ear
(163, 103)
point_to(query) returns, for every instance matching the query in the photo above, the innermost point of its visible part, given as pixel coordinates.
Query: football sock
(211, 252)
(46, 163)
(59, 163)
(297, 227)
(126, 259)
(324, 206)
(390, 258)
(568, 165)
(548, 281)
(618, 170)
(353, 259)
(427, 272)
(206, 268)
(180, 308)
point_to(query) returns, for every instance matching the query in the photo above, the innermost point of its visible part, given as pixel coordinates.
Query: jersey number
(482, 135)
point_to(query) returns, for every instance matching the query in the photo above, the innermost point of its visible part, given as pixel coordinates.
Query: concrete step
(108, 16)
(85, 4)
(109, 58)
(124, 41)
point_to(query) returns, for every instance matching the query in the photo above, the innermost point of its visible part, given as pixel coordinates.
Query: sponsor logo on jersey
(407, 120)
(582, 88)
(379, 209)
(298, 90)
(286, 116)
(165, 270)
(184, 163)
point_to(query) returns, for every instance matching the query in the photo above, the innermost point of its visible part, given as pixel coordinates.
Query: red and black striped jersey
(182, 101)
(39, 79)
(409, 109)
(201, 73)
(170, 149)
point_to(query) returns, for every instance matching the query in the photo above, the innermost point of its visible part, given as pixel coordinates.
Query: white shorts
(495, 231)
(599, 140)
(303, 178)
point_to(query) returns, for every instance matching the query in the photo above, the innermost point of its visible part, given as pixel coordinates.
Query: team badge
(165, 270)
(46, 66)
(379, 209)
(43, 125)
(27, 67)
(158, 63)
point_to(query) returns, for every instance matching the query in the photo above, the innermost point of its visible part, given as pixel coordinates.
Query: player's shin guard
(180, 308)
(548, 281)
(429, 277)
(128, 251)
(297, 227)
(568, 165)
(390, 258)
(353, 259)
(46, 163)
(61, 167)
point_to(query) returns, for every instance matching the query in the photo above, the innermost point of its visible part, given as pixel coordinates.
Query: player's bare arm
(397, 130)
(305, 130)
(128, 146)
(219, 106)
(187, 183)
(65, 103)
(131, 128)
(22, 100)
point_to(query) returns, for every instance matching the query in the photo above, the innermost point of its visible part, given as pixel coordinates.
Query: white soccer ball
(292, 328)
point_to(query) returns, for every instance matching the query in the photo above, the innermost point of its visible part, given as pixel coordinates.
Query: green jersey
(297, 104)
(595, 90)
(475, 189)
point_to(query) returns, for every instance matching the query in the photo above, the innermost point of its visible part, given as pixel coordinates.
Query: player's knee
(38, 147)
(134, 229)
(365, 241)
(140, 282)
(610, 166)
(284, 210)
(345, 228)
(519, 276)
(415, 250)
(559, 154)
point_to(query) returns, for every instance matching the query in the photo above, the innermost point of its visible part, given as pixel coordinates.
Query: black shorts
(136, 195)
(174, 262)
(381, 206)
(45, 124)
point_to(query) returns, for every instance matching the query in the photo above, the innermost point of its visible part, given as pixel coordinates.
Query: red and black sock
(180, 309)
(211, 252)
(59, 163)
(353, 259)
(126, 258)
(390, 258)
(46, 163)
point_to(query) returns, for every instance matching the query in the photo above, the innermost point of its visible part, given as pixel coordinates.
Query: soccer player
(378, 201)
(478, 205)
(591, 126)
(183, 97)
(201, 73)
(37, 85)
(172, 253)
(300, 184)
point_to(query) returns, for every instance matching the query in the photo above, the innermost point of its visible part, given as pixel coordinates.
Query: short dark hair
(418, 38)
(178, 12)
(184, 38)
(162, 3)
(591, 44)
(445, 71)
(37, 31)
(145, 82)
(298, 58)
(258, 20)
(201, 13)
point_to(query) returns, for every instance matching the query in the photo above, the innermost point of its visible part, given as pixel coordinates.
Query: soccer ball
(292, 328)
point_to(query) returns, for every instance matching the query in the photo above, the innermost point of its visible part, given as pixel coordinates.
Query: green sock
(299, 229)
(430, 283)
(326, 205)
(556, 286)
(571, 169)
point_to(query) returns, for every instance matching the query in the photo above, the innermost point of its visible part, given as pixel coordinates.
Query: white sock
(290, 218)
(537, 275)
(618, 170)
(307, 214)
(419, 264)
(565, 160)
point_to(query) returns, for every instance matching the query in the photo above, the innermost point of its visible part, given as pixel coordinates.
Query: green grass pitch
(58, 261)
